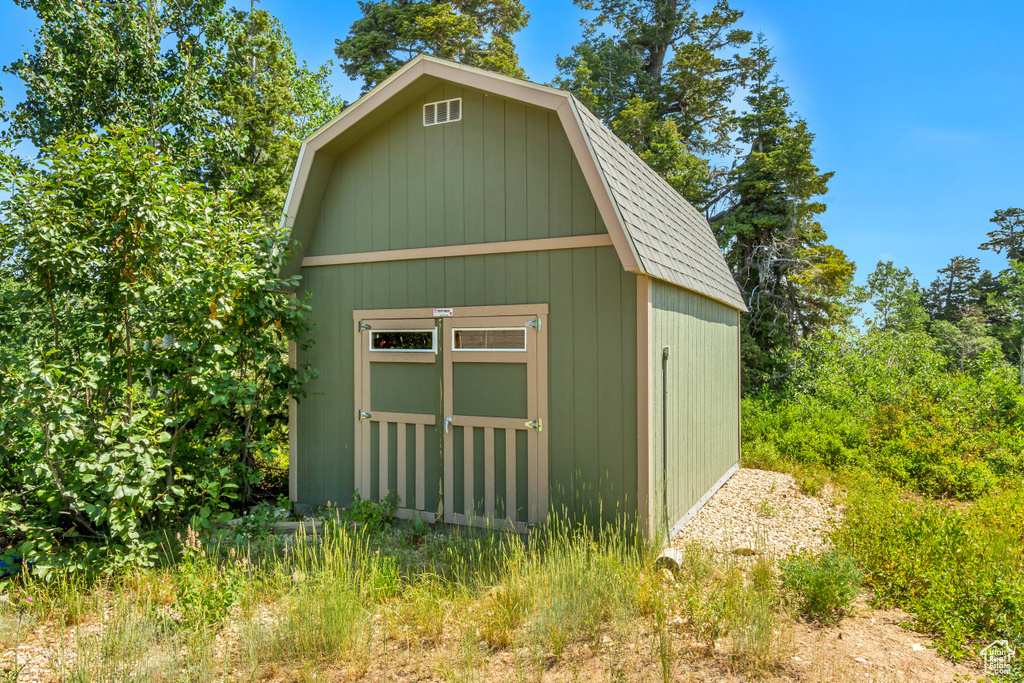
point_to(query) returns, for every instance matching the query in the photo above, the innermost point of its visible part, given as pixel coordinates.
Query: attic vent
(444, 111)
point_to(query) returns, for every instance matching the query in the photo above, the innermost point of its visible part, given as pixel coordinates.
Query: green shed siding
(703, 396)
(406, 185)
(591, 362)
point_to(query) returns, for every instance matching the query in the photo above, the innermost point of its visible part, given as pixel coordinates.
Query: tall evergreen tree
(952, 291)
(659, 74)
(792, 279)
(1009, 235)
(391, 32)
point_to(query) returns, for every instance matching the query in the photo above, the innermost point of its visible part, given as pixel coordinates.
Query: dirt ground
(869, 646)
(754, 509)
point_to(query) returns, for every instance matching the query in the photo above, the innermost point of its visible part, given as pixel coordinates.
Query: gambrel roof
(654, 230)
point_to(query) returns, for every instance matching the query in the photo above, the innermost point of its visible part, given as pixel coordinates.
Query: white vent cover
(444, 111)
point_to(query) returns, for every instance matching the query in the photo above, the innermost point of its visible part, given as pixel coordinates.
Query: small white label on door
(444, 312)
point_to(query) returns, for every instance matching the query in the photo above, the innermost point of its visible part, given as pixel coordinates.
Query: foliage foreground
(931, 458)
(460, 605)
(161, 370)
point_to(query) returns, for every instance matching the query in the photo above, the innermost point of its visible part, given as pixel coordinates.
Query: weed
(426, 607)
(134, 644)
(374, 516)
(207, 589)
(257, 524)
(766, 509)
(810, 480)
(16, 620)
(823, 587)
(580, 583)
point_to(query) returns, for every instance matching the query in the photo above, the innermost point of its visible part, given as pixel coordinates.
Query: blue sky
(917, 106)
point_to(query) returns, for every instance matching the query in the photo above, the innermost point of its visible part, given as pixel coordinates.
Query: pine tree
(952, 291)
(1009, 236)
(391, 32)
(655, 72)
(792, 279)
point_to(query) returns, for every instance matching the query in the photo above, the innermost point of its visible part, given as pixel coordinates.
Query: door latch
(363, 415)
(447, 423)
(536, 424)
(535, 323)
(364, 326)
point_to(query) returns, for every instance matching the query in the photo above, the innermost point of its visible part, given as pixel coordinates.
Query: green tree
(264, 102)
(1009, 235)
(391, 32)
(657, 72)
(100, 64)
(951, 292)
(895, 298)
(792, 279)
(223, 89)
(1010, 304)
(964, 341)
(159, 375)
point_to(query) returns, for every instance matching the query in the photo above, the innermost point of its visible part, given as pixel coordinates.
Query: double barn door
(451, 411)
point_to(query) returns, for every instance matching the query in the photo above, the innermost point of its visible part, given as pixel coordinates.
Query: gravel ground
(757, 511)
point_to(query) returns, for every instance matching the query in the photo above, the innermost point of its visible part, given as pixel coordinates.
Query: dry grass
(450, 607)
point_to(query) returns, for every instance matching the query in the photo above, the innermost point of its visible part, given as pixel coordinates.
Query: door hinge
(536, 424)
(363, 415)
(363, 326)
(535, 323)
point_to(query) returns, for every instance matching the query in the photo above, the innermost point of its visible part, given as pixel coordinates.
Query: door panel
(490, 390)
(398, 397)
(495, 389)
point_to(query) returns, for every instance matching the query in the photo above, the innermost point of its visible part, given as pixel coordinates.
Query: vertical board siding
(591, 368)
(504, 172)
(703, 400)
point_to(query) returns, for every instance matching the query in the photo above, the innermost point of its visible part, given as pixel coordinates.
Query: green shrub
(959, 571)
(888, 403)
(179, 329)
(822, 587)
(373, 515)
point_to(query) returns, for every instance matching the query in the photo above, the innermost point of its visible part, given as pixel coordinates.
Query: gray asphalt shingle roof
(672, 240)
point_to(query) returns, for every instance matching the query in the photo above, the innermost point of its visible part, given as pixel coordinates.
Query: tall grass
(351, 600)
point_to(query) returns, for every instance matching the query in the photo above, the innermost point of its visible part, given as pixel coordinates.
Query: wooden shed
(513, 312)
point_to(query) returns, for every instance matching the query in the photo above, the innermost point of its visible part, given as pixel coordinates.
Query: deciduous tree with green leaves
(160, 371)
(895, 298)
(223, 89)
(98, 64)
(264, 101)
(391, 32)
